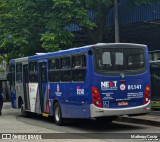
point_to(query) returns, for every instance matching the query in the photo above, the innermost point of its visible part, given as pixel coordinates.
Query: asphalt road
(87, 126)
(155, 113)
(12, 121)
(78, 127)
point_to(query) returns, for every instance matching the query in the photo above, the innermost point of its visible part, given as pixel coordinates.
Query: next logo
(109, 85)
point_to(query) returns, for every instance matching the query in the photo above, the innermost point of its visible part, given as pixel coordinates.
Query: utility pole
(116, 21)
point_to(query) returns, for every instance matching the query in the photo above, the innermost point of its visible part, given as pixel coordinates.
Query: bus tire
(58, 114)
(23, 111)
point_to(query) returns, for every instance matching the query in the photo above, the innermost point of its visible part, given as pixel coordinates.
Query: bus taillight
(146, 94)
(96, 98)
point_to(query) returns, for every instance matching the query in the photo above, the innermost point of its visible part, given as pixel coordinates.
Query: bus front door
(43, 87)
(25, 87)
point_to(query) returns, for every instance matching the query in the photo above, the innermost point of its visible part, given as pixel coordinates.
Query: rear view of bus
(121, 80)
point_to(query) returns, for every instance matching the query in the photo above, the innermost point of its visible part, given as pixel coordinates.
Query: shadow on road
(77, 125)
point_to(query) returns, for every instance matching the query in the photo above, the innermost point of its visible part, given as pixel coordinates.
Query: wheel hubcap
(57, 114)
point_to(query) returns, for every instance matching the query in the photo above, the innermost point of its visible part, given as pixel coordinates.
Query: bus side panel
(19, 94)
(34, 98)
(79, 96)
(56, 94)
(89, 79)
(76, 99)
(155, 81)
(71, 97)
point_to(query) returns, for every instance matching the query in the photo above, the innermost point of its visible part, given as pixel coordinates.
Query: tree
(30, 26)
(21, 25)
(76, 12)
(64, 13)
(101, 9)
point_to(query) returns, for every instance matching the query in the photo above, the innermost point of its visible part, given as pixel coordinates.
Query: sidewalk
(152, 119)
(10, 125)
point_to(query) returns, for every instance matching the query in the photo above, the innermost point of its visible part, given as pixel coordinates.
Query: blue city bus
(155, 83)
(98, 81)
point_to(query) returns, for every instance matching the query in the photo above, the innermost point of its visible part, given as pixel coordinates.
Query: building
(138, 24)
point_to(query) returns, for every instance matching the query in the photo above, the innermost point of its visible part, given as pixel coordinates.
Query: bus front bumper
(102, 112)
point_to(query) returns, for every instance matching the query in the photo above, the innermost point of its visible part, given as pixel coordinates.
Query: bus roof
(155, 62)
(79, 49)
(69, 51)
(125, 44)
(60, 52)
(154, 51)
(19, 60)
(50, 54)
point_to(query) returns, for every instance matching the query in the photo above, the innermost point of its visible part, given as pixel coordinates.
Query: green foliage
(30, 26)
(2, 70)
(21, 25)
(49, 42)
(64, 12)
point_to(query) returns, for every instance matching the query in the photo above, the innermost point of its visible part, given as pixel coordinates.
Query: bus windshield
(119, 59)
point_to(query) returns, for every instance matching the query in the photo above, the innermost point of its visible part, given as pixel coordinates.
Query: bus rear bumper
(102, 112)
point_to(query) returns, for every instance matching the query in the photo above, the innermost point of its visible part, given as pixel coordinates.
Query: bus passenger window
(65, 72)
(78, 61)
(53, 76)
(136, 61)
(18, 72)
(11, 74)
(33, 78)
(12, 68)
(79, 75)
(78, 68)
(19, 77)
(53, 70)
(33, 66)
(65, 75)
(53, 64)
(65, 63)
(33, 72)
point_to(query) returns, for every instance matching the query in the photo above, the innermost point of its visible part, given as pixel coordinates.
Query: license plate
(122, 103)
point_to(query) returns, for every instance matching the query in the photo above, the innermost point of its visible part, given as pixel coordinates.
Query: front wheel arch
(22, 107)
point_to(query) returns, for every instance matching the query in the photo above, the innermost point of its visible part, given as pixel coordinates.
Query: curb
(138, 121)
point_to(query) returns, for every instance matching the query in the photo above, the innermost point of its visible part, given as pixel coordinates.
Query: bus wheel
(58, 114)
(23, 111)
